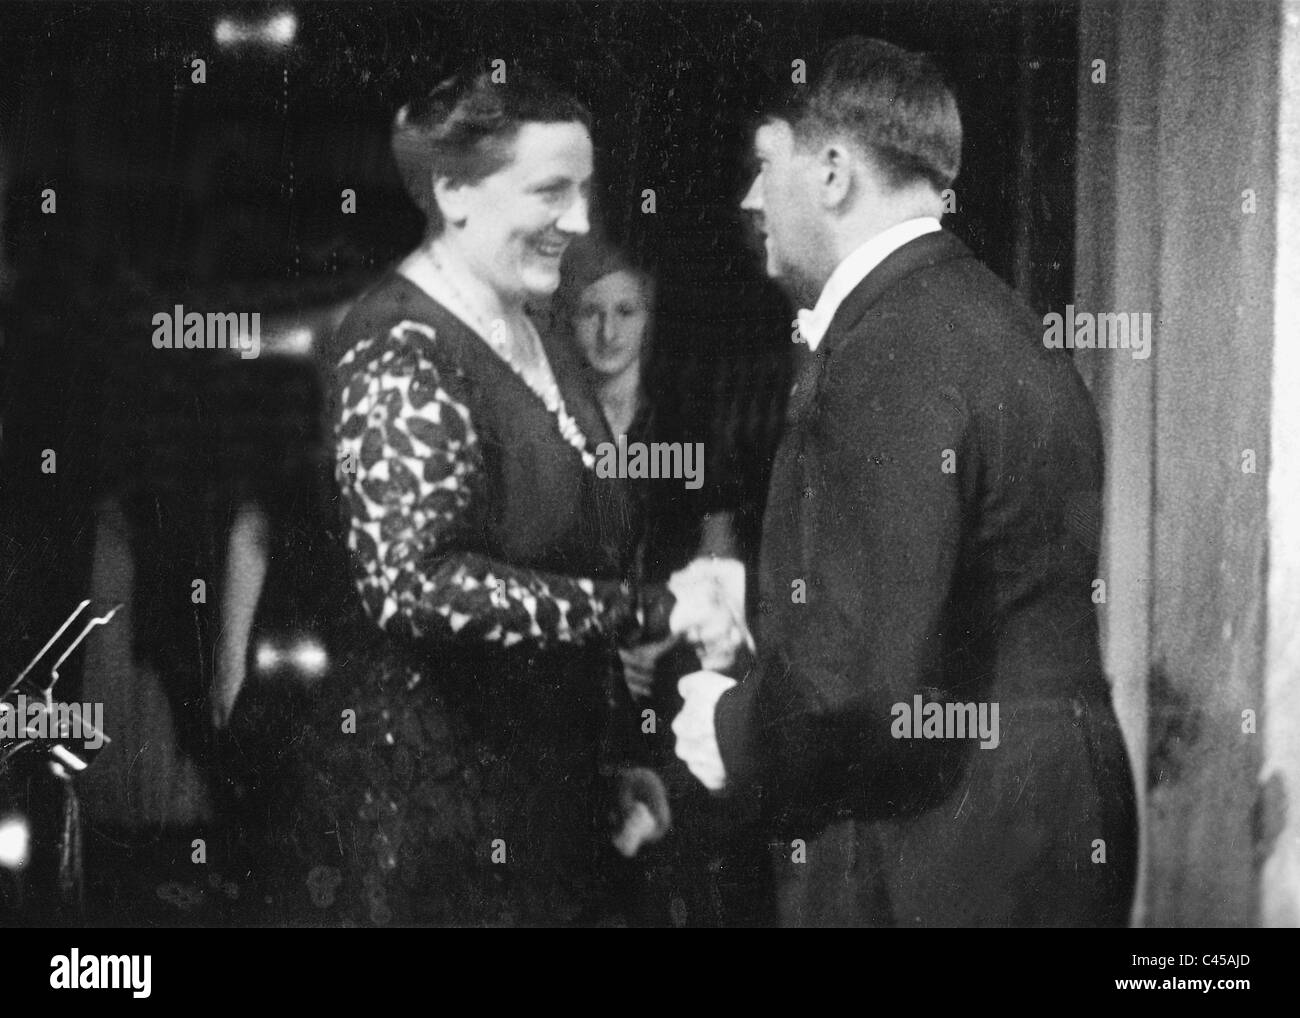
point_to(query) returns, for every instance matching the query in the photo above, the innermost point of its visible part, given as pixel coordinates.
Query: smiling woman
(515, 161)
(465, 740)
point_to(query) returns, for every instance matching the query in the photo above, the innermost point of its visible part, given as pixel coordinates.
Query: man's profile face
(781, 204)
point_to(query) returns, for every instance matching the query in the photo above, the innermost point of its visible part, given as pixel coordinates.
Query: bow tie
(809, 328)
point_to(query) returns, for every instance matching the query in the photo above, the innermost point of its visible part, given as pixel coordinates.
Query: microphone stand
(34, 719)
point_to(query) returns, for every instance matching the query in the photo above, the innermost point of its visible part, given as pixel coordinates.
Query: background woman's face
(610, 322)
(519, 221)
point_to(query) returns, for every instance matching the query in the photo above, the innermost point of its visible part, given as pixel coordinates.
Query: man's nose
(574, 220)
(608, 329)
(753, 200)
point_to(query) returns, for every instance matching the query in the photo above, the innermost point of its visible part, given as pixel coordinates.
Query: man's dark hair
(892, 102)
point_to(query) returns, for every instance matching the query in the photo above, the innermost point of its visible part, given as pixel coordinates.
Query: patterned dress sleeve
(408, 458)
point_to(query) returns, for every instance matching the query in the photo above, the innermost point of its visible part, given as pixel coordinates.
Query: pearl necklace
(494, 335)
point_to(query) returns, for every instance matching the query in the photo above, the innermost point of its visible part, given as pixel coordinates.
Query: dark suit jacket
(938, 492)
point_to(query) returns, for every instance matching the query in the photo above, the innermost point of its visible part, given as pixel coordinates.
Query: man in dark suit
(927, 728)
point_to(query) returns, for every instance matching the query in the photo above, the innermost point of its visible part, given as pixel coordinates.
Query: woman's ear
(452, 200)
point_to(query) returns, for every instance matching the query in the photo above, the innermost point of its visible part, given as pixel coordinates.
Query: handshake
(703, 605)
(707, 601)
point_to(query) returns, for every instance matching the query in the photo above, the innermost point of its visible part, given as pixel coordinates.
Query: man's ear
(452, 200)
(837, 166)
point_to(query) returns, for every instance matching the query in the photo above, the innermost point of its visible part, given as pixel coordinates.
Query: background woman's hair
(589, 259)
(464, 129)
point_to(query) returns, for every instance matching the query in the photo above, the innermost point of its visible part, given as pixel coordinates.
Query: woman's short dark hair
(891, 101)
(465, 128)
(588, 260)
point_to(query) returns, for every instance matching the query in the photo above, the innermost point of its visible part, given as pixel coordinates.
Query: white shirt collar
(853, 270)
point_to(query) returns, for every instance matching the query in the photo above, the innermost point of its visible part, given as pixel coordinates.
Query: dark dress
(458, 771)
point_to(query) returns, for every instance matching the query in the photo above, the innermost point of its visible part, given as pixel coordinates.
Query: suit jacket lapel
(923, 252)
(807, 369)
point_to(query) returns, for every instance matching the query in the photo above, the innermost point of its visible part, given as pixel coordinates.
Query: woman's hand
(639, 665)
(643, 815)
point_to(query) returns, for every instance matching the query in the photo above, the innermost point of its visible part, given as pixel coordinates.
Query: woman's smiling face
(515, 224)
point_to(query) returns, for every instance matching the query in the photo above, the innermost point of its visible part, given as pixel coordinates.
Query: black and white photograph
(651, 464)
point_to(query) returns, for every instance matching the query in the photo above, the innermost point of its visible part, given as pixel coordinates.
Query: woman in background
(606, 303)
(610, 312)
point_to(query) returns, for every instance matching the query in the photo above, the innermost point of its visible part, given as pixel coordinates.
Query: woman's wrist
(619, 616)
(637, 615)
(657, 603)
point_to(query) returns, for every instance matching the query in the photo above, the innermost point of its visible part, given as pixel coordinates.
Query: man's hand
(710, 610)
(639, 665)
(697, 743)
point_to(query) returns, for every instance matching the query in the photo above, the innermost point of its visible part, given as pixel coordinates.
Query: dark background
(227, 195)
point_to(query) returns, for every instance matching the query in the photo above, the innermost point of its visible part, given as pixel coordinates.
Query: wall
(1185, 122)
(1280, 813)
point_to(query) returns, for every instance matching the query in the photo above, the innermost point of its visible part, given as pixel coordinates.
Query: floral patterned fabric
(409, 467)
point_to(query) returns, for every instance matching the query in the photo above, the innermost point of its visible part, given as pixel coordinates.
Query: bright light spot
(281, 29)
(13, 842)
(309, 657)
(228, 33)
(293, 341)
(277, 30)
(267, 657)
